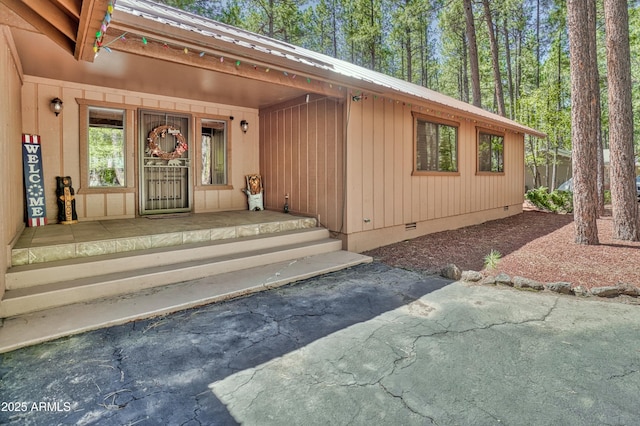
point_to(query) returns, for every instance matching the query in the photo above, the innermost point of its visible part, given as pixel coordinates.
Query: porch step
(32, 288)
(32, 328)
(38, 274)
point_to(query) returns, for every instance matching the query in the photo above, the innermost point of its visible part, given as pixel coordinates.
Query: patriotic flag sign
(33, 180)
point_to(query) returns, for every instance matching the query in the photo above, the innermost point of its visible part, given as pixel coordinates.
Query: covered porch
(67, 279)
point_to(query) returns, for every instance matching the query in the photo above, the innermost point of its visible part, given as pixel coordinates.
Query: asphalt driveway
(371, 345)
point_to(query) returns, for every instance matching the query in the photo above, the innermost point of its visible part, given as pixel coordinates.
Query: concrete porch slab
(57, 242)
(38, 327)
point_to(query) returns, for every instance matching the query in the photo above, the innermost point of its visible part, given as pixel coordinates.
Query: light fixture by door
(56, 106)
(244, 125)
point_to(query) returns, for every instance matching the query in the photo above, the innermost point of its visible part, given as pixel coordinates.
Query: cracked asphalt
(371, 345)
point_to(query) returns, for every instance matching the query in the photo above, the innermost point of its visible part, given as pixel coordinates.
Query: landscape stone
(488, 281)
(471, 276)
(503, 279)
(581, 291)
(608, 291)
(451, 271)
(628, 290)
(526, 283)
(559, 287)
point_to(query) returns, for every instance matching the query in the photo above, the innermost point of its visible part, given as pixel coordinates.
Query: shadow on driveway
(158, 371)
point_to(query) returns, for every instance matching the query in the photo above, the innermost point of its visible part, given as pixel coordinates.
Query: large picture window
(106, 147)
(436, 146)
(490, 152)
(214, 152)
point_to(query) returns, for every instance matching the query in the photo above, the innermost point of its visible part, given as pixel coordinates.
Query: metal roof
(323, 65)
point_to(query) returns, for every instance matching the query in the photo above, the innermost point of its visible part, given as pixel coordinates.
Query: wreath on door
(161, 131)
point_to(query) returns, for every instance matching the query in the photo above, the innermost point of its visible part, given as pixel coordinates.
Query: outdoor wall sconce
(244, 125)
(56, 106)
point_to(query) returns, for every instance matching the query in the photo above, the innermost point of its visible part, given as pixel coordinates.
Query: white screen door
(165, 163)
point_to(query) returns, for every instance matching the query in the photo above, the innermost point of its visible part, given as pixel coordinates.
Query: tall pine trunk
(595, 81)
(583, 127)
(497, 79)
(507, 53)
(622, 163)
(473, 54)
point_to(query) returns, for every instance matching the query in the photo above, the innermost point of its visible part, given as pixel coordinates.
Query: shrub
(556, 201)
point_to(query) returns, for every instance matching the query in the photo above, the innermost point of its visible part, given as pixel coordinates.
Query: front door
(165, 163)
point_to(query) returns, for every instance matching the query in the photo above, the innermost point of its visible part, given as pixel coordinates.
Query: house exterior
(546, 172)
(188, 107)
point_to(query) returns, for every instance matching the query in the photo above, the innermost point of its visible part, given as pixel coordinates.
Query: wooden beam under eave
(41, 24)
(91, 17)
(55, 16)
(246, 69)
(72, 7)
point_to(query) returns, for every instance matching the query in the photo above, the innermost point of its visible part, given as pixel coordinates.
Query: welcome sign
(33, 180)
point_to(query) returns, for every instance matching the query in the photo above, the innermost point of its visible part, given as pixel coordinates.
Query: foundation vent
(410, 226)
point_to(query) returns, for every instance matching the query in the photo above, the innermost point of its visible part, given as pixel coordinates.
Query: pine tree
(623, 190)
(584, 133)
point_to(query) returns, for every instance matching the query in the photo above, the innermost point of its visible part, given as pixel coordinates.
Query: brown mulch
(535, 244)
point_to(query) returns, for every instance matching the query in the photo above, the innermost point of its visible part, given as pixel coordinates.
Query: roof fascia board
(157, 51)
(192, 40)
(90, 20)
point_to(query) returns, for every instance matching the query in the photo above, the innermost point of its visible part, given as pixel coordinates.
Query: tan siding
(379, 174)
(331, 164)
(388, 168)
(296, 165)
(354, 196)
(321, 160)
(312, 163)
(398, 173)
(304, 158)
(11, 208)
(366, 163)
(303, 119)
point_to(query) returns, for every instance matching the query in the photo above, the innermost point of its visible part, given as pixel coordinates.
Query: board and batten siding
(61, 146)
(387, 203)
(301, 154)
(11, 174)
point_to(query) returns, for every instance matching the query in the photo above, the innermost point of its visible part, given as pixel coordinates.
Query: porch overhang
(150, 47)
(71, 24)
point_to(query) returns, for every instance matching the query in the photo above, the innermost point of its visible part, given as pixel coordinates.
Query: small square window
(436, 146)
(106, 148)
(490, 152)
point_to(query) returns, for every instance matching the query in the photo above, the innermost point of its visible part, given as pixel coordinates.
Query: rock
(609, 291)
(451, 271)
(628, 290)
(503, 279)
(526, 283)
(581, 291)
(559, 287)
(471, 276)
(488, 281)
